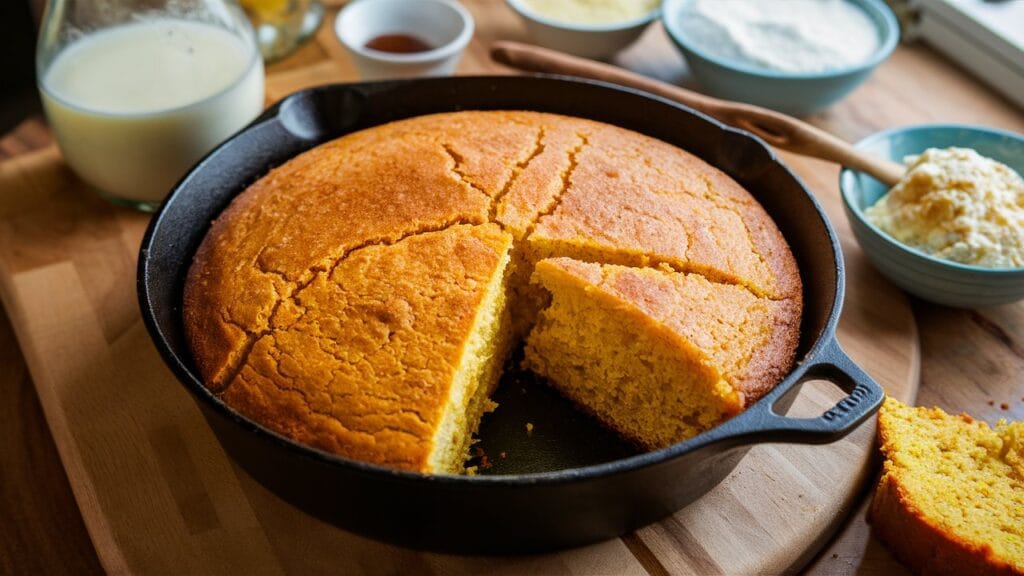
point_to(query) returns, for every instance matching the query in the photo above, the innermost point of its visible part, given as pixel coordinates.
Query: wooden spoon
(777, 129)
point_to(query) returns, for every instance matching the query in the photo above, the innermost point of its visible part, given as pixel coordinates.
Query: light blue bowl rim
(858, 213)
(889, 31)
(525, 11)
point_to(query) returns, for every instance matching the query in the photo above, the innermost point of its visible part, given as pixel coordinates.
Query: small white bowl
(598, 41)
(444, 24)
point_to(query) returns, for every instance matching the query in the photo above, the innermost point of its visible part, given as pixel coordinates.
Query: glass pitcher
(137, 91)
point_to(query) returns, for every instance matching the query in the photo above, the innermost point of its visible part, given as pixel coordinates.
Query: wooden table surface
(972, 360)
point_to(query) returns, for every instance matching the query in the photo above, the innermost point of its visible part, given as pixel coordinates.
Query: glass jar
(137, 91)
(283, 25)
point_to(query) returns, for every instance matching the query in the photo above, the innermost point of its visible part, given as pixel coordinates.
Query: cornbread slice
(390, 356)
(951, 496)
(372, 186)
(657, 355)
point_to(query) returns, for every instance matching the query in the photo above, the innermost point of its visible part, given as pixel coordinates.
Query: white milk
(133, 107)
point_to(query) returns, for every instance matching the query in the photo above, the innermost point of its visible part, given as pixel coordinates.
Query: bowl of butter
(952, 230)
(588, 28)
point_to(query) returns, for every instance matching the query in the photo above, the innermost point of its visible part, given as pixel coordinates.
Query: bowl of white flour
(797, 56)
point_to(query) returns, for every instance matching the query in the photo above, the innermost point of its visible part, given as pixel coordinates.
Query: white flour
(795, 36)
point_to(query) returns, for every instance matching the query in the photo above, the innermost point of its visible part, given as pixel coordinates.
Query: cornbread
(362, 297)
(956, 204)
(657, 355)
(951, 497)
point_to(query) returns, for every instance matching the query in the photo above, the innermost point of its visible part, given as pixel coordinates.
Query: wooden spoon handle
(777, 129)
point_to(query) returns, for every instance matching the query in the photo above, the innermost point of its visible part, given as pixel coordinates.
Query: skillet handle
(864, 397)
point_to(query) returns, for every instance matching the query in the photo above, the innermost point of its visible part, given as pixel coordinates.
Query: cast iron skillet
(528, 504)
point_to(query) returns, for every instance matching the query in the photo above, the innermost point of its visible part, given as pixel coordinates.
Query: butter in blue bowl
(793, 56)
(988, 237)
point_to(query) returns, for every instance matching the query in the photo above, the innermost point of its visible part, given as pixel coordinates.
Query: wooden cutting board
(158, 494)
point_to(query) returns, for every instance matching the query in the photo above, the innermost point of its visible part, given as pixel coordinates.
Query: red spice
(1004, 406)
(991, 402)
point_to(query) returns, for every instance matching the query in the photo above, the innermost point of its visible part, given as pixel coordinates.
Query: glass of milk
(137, 91)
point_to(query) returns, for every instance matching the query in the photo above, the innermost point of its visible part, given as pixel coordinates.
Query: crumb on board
(503, 455)
(485, 462)
(529, 427)
(991, 402)
(1004, 406)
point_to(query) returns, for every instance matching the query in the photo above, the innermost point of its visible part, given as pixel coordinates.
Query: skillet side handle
(864, 397)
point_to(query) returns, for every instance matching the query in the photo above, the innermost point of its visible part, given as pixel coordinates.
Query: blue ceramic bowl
(795, 94)
(927, 277)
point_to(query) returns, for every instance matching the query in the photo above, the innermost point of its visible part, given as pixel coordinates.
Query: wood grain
(35, 496)
(41, 529)
(915, 85)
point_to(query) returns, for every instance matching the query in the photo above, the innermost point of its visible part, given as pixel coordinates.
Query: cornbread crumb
(958, 205)
(529, 427)
(951, 496)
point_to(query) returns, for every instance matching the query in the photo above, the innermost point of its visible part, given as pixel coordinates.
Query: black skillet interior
(562, 438)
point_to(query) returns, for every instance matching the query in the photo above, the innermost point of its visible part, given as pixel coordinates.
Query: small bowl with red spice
(402, 39)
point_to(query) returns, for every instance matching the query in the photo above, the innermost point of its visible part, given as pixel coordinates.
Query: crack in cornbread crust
(361, 191)
(670, 194)
(288, 294)
(363, 339)
(283, 204)
(539, 194)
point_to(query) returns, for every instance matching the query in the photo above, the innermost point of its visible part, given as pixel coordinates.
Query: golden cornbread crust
(752, 339)
(340, 299)
(934, 513)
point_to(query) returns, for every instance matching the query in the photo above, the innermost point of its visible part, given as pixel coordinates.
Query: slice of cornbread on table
(391, 356)
(951, 496)
(656, 355)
